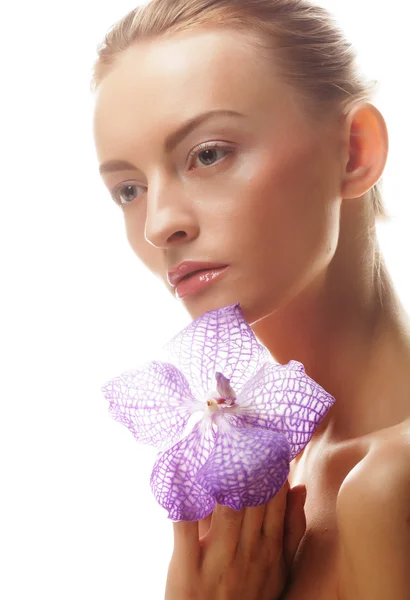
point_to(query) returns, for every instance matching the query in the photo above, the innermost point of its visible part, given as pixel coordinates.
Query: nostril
(178, 235)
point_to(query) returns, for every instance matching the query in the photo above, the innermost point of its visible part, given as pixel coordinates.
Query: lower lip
(196, 283)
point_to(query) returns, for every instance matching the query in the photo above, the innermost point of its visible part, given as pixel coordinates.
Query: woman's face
(263, 197)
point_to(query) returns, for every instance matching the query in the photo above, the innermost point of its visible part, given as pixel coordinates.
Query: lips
(191, 274)
(199, 281)
(185, 269)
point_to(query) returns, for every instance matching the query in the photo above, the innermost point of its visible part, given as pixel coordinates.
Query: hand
(238, 555)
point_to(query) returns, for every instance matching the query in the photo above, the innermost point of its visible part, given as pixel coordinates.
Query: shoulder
(383, 475)
(373, 515)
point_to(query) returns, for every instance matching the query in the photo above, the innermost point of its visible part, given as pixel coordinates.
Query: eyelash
(205, 146)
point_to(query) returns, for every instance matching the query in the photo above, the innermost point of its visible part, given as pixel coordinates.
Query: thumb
(295, 522)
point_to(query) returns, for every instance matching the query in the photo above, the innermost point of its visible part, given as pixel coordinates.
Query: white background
(77, 517)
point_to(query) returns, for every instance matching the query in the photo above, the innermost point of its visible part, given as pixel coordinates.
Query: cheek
(290, 212)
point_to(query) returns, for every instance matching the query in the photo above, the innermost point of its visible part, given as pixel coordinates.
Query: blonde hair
(306, 44)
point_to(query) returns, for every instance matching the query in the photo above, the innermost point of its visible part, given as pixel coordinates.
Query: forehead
(171, 79)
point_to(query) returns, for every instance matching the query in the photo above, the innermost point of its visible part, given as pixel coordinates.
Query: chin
(202, 303)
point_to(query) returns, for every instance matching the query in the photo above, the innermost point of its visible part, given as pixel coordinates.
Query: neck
(352, 335)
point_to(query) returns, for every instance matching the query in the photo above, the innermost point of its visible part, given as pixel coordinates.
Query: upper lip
(187, 267)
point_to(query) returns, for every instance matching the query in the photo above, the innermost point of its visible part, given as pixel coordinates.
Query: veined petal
(284, 399)
(247, 467)
(173, 479)
(218, 341)
(154, 402)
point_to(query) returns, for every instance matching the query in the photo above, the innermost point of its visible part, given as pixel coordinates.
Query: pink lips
(191, 277)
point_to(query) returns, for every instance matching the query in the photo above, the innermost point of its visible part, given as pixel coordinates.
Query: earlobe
(366, 144)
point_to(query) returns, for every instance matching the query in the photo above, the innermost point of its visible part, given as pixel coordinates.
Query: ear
(366, 143)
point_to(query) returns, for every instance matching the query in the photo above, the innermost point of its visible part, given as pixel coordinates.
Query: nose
(170, 217)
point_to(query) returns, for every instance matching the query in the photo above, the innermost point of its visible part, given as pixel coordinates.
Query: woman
(251, 147)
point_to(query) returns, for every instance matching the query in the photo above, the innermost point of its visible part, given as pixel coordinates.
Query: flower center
(223, 396)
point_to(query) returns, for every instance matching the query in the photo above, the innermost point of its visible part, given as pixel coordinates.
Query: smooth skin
(282, 200)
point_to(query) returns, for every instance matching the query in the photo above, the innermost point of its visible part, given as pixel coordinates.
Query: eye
(123, 193)
(209, 151)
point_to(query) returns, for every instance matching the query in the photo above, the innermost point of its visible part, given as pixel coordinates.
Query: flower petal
(173, 480)
(284, 399)
(224, 388)
(154, 402)
(247, 467)
(218, 341)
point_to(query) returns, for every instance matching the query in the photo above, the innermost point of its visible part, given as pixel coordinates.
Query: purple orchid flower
(226, 419)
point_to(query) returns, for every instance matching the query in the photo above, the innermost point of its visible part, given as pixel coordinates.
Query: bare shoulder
(373, 515)
(382, 476)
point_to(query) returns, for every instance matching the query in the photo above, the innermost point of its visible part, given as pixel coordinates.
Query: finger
(295, 522)
(204, 526)
(225, 530)
(273, 523)
(186, 542)
(251, 529)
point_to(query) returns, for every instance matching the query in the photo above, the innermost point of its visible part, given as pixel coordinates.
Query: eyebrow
(172, 141)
